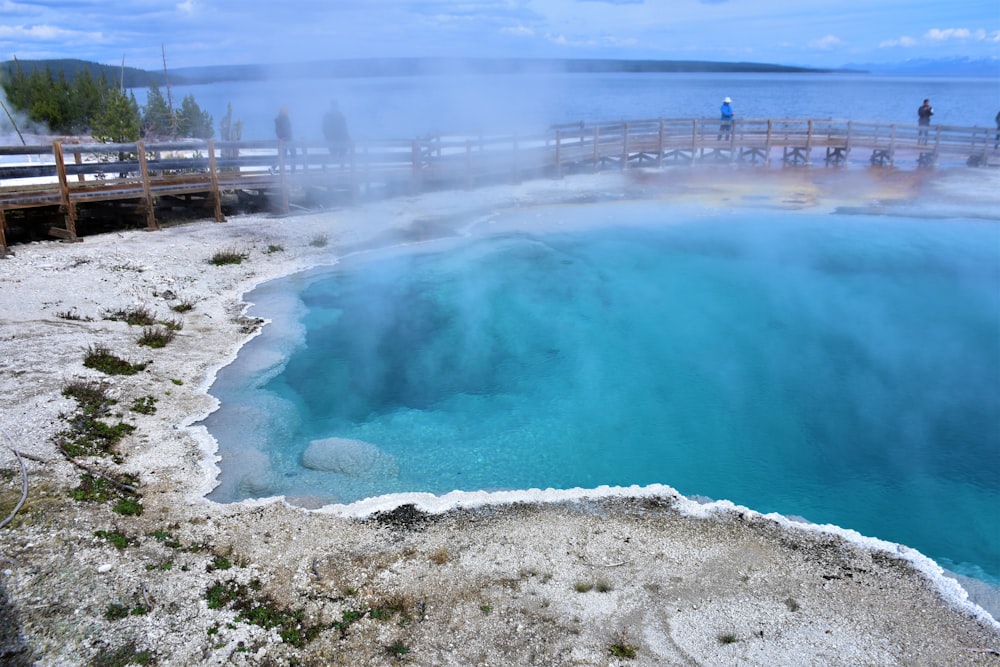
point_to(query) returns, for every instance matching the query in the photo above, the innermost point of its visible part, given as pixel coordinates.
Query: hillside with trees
(78, 98)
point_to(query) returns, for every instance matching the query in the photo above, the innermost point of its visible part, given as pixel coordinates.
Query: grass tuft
(156, 337)
(100, 358)
(228, 256)
(622, 647)
(138, 316)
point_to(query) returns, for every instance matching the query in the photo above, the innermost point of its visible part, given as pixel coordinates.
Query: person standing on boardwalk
(335, 131)
(996, 137)
(283, 130)
(726, 115)
(924, 113)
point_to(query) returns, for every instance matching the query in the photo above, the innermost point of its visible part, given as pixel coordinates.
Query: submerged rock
(349, 457)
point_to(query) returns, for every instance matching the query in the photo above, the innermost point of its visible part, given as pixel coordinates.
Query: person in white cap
(727, 118)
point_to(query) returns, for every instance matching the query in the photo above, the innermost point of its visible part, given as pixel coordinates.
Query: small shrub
(115, 612)
(144, 405)
(139, 316)
(262, 611)
(620, 650)
(274, 248)
(603, 586)
(156, 337)
(397, 649)
(440, 556)
(89, 436)
(91, 397)
(114, 537)
(71, 314)
(226, 257)
(486, 609)
(219, 563)
(121, 656)
(100, 358)
(128, 506)
(183, 306)
(583, 586)
(728, 638)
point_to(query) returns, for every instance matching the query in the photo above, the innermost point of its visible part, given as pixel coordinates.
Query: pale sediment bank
(548, 577)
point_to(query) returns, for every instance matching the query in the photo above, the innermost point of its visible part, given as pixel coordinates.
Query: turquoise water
(845, 369)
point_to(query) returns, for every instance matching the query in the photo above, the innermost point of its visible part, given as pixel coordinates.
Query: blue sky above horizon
(818, 33)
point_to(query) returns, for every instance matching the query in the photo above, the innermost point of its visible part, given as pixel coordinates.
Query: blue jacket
(727, 111)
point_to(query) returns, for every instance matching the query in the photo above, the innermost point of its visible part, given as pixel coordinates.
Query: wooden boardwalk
(51, 186)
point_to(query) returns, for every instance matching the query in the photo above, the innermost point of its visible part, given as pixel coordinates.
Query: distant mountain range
(985, 67)
(377, 67)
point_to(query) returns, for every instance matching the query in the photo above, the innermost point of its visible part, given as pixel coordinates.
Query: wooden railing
(63, 177)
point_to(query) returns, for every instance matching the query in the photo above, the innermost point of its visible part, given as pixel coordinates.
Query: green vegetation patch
(94, 489)
(156, 337)
(258, 609)
(139, 316)
(100, 358)
(144, 405)
(114, 537)
(228, 256)
(122, 656)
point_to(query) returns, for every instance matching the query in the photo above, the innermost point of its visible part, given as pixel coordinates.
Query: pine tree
(119, 122)
(192, 121)
(158, 120)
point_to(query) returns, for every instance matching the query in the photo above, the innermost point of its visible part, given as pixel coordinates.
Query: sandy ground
(605, 577)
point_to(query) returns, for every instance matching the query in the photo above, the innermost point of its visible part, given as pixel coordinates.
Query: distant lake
(415, 106)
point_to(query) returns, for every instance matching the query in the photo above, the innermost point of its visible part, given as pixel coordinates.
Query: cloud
(943, 35)
(903, 41)
(617, 2)
(828, 42)
(44, 32)
(518, 31)
(187, 6)
(937, 34)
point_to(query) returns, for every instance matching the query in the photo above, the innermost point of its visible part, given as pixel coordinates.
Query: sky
(818, 33)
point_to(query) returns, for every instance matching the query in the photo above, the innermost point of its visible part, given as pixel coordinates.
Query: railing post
(659, 145)
(416, 185)
(69, 208)
(214, 175)
(624, 145)
(597, 147)
(282, 180)
(809, 141)
(147, 187)
(559, 173)
(694, 138)
(3, 234)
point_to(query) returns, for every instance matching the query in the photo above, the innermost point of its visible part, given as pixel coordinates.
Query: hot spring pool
(845, 369)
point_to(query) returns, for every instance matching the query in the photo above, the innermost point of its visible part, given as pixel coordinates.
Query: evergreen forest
(68, 97)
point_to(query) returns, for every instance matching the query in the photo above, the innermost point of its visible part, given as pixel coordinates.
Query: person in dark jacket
(726, 115)
(335, 131)
(924, 113)
(283, 130)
